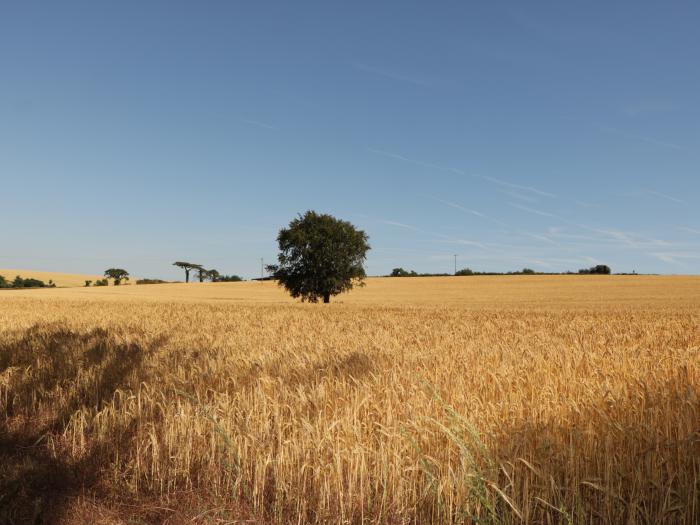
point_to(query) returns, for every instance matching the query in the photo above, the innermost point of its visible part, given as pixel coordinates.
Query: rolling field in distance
(520, 399)
(537, 290)
(61, 279)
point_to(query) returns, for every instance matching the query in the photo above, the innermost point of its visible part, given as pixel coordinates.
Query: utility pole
(455, 264)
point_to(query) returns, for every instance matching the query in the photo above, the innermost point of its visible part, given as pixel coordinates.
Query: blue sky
(552, 136)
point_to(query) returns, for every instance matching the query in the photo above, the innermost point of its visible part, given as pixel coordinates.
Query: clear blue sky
(545, 135)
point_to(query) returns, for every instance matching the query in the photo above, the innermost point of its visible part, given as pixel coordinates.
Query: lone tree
(118, 275)
(187, 267)
(320, 256)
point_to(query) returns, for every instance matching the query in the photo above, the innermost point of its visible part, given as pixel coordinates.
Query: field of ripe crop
(528, 399)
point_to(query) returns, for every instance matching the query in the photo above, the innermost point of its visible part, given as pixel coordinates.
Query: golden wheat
(500, 400)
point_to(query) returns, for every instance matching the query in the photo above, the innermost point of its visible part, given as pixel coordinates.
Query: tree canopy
(320, 256)
(187, 266)
(599, 269)
(118, 274)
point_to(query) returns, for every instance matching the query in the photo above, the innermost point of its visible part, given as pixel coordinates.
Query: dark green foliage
(600, 269)
(320, 256)
(88, 283)
(227, 279)
(400, 272)
(28, 283)
(19, 282)
(524, 271)
(101, 282)
(118, 274)
(150, 281)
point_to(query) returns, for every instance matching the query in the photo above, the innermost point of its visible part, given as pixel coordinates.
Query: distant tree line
(600, 269)
(119, 275)
(205, 275)
(524, 271)
(116, 274)
(20, 282)
(150, 281)
(400, 272)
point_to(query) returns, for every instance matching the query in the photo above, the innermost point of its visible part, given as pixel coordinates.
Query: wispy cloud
(585, 204)
(492, 180)
(664, 196)
(464, 242)
(643, 138)
(519, 196)
(392, 74)
(520, 234)
(543, 238)
(631, 239)
(470, 211)
(690, 230)
(396, 156)
(674, 257)
(402, 225)
(439, 237)
(259, 124)
(532, 210)
(516, 186)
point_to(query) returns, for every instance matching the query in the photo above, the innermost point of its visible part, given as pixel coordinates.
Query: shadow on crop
(48, 375)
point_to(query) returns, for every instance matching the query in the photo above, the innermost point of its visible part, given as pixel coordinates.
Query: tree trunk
(187, 276)
(326, 298)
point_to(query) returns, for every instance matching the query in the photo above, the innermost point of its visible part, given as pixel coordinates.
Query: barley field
(520, 399)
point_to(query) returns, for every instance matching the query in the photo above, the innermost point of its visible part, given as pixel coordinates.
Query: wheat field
(522, 399)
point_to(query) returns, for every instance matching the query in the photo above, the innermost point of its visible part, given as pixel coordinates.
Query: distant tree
(202, 273)
(187, 267)
(3, 282)
(213, 275)
(18, 282)
(465, 271)
(528, 271)
(320, 256)
(118, 274)
(228, 279)
(600, 269)
(400, 272)
(87, 283)
(101, 282)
